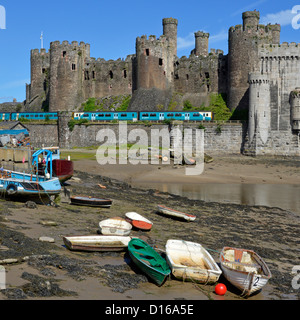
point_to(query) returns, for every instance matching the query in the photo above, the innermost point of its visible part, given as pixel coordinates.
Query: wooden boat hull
(91, 202)
(115, 226)
(189, 261)
(148, 261)
(23, 184)
(96, 243)
(174, 213)
(138, 221)
(245, 269)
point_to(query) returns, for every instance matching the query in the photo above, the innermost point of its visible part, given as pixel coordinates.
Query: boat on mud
(245, 269)
(174, 213)
(90, 201)
(62, 168)
(138, 221)
(115, 226)
(149, 261)
(96, 243)
(15, 183)
(189, 261)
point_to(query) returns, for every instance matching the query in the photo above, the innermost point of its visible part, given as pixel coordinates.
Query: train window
(207, 114)
(41, 115)
(152, 114)
(177, 114)
(85, 115)
(145, 115)
(36, 115)
(107, 115)
(123, 115)
(100, 115)
(170, 114)
(196, 114)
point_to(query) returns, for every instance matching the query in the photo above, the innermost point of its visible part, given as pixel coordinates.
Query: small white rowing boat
(191, 262)
(245, 269)
(96, 243)
(115, 226)
(138, 221)
(175, 213)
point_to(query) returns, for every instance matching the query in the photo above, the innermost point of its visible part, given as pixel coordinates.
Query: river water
(284, 196)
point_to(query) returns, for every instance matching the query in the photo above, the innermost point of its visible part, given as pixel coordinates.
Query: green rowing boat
(148, 260)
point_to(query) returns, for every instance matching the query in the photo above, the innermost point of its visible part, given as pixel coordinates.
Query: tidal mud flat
(42, 270)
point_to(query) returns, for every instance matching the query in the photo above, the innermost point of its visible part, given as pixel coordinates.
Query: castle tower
(170, 31)
(243, 43)
(250, 19)
(259, 123)
(295, 109)
(38, 90)
(66, 74)
(201, 43)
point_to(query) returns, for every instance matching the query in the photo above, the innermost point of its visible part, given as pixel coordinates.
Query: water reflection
(272, 195)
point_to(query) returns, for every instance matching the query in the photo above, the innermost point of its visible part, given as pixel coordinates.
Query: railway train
(117, 115)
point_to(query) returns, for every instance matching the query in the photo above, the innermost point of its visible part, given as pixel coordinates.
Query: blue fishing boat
(31, 184)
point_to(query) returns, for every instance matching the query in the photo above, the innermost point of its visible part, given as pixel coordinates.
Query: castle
(258, 75)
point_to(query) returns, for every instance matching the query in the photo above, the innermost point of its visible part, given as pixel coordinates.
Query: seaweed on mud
(75, 269)
(19, 245)
(36, 287)
(118, 278)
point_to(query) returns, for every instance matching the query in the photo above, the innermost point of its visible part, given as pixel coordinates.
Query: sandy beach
(225, 169)
(49, 271)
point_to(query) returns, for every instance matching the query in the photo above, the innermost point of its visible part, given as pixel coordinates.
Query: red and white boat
(138, 221)
(175, 213)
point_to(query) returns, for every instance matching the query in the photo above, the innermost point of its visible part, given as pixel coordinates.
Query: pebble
(46, 239)
(48, 223)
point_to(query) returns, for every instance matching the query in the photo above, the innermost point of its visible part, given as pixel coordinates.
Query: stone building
(258, 75)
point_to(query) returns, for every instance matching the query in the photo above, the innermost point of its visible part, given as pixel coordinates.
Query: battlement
(170, 21)
(258, 78)
(39, 51)
(295, 94)
(202, 34)
(67, 43)
(260, 28)
(284, 50)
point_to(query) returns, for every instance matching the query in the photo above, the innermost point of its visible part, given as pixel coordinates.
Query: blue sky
(111, 28)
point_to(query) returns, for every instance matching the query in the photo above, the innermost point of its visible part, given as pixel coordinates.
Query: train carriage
(33, 115)
(106, 116)
(175, 115)
(5, 116)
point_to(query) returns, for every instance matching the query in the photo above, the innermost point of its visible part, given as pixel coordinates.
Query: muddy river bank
(37, 270)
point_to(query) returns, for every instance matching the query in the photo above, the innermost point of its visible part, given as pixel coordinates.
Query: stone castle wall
(219, 139)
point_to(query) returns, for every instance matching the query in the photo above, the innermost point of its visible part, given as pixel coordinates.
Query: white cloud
(283, 18)
(187, 42)
(222, 35)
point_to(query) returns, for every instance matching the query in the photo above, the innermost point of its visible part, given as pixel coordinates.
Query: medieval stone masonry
(259, 75)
